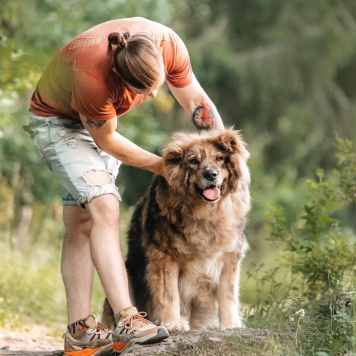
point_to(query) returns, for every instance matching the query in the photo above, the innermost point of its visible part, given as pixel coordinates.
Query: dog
(186, 237)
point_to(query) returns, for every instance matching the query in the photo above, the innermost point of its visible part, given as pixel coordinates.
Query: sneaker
(131, 327)
(91, 338)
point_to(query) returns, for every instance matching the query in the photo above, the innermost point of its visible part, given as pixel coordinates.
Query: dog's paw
(174, 327)
(230, 318)
(230, 324)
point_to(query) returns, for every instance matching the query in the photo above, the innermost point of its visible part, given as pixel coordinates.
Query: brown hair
(137, 59)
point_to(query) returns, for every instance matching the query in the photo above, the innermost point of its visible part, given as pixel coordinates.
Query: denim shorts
(68, 150)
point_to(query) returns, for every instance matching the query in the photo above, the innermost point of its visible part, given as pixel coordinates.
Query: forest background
(282, 72)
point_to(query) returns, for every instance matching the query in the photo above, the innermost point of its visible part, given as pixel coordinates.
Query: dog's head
(209, 165)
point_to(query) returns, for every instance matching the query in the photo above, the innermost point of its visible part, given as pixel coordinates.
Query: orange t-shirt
(80, 78)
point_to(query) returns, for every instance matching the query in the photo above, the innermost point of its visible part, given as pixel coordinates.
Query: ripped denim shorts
(68, 150)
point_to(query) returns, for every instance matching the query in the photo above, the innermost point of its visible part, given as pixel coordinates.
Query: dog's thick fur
(186, 238)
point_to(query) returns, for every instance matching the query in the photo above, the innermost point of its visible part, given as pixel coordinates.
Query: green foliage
(281, 72)
(16, 77)
(320, 250)
(31, 289)
(317, 300)
(32, 292)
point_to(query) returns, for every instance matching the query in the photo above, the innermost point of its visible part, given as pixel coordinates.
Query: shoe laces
(101, 328)
(137, 321)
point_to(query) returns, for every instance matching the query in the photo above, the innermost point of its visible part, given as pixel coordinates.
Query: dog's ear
(174, 151)
(172, 154)
(232, 142)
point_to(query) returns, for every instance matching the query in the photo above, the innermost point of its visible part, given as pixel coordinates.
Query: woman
(97, 77)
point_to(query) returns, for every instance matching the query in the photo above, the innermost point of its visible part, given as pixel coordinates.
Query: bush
(319, 250)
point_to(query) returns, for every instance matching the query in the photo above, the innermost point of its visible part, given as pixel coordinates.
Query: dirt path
(36, 340)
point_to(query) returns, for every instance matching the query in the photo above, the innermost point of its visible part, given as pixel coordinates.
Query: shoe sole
(162, 333)
(89, 352)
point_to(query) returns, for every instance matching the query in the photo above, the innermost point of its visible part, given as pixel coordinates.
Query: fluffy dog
(186, 238)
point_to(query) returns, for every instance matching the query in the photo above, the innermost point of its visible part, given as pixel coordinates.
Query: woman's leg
(77, 265)
(92, 239)
(106, 250)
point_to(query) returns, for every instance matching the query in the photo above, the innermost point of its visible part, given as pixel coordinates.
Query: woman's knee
(77, 221)
(104, 209)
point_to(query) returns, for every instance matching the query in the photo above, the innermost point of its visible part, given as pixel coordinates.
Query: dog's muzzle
(211, 187)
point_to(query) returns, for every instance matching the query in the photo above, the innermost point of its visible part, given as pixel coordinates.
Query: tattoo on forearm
(204, 117)
(96, 123)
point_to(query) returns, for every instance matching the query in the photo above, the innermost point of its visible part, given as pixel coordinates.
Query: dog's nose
(210, 174)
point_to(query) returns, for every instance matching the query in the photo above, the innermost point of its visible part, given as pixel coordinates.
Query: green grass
(31, 287)
(32, 292)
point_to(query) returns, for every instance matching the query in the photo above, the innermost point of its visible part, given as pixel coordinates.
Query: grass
(31, 287)
(32, 292)
(316, 330)
(229, 346)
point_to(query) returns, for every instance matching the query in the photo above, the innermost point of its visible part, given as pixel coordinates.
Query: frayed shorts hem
(84, 200)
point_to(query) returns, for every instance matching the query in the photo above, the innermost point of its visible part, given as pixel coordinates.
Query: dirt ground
(34, 340)
(37, 339)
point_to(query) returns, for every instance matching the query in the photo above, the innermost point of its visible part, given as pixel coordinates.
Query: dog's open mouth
(211, 193)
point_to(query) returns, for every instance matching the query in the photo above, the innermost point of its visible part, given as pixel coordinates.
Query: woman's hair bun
(117, 39)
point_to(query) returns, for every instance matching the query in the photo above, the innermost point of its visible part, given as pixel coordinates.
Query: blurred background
(282, 72)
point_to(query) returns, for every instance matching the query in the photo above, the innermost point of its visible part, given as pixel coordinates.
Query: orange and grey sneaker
(131, 328)
(87, 338)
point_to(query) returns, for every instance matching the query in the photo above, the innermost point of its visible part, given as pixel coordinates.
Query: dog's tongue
(212, 194)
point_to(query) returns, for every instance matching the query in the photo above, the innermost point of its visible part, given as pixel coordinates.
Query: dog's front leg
(162, 278)
(228, 292)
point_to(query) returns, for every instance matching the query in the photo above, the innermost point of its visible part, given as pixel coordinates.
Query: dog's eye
(194, 161)
(219, 158)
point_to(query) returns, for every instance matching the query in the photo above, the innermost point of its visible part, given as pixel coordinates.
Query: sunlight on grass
(32, 292)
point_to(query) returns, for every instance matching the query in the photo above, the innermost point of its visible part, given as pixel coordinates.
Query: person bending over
(91, 82)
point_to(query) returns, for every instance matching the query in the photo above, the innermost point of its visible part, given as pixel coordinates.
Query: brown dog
(186, 239)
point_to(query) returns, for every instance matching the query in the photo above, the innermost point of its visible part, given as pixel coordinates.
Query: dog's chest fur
(205, 238)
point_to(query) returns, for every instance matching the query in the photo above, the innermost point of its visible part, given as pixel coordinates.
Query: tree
(282, 72)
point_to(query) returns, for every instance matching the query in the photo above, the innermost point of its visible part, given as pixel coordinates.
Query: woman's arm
(198, 106)
(110, 141)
